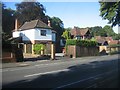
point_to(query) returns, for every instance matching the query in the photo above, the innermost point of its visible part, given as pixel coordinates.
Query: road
(88, 72)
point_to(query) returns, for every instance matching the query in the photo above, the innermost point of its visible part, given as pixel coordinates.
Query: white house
(35, 32)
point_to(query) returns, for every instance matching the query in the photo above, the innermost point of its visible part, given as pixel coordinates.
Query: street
(86, 72)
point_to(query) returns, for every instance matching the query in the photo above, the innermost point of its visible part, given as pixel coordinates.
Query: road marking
(50, 64)
(63, 86)
(92, 86)
(47, 73)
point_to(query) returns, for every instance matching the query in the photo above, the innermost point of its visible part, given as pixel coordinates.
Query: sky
(81, 14)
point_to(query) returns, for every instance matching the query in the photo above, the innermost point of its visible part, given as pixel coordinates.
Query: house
(80, 33)
(114, 42)
(102, 41)
(34, 32)
(106, 40)
(105, 44)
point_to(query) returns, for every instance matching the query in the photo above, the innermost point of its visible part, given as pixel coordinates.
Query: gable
(84, 32)
(79, 31)
(34, 24)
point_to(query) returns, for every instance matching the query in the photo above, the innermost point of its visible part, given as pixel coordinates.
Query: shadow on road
(74, 73)
(37, 58)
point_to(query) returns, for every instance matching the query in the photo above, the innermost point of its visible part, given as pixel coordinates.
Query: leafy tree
(108, 30)
(27, 11)
(7, 20)
(66, 34)
(116, 37)
(95, 31)
(99, 31)
(110, 11)
(58, 26)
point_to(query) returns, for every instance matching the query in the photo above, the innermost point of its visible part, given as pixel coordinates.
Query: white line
(92, 86)
(63, 86)
(46, 73)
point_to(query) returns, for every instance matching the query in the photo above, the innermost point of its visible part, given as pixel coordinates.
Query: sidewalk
(30, 63)
(19, 64)
(31, 60)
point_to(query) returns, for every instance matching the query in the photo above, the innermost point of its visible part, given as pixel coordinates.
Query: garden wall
(79, 51)
(12, 53)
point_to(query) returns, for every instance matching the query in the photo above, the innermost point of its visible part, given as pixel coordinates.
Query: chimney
(16, 24)
(49, 23)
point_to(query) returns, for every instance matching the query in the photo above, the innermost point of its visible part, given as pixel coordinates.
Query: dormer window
(43, 32)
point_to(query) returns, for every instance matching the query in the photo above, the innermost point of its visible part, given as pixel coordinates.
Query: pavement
(34, 61)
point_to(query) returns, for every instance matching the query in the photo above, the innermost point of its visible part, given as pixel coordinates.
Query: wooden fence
(77, 51)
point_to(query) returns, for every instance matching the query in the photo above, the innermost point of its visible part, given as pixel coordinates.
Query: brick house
(80, 33)
(106, 40)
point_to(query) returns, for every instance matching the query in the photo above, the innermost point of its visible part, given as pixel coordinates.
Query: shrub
(86, 43)
(38, 47)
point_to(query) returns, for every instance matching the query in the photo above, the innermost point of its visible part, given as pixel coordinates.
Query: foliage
(66, 34)
(105, 31)
(116, 37)
(58, 26)
(27, 11)
(114, 45)
(93, 39)
(95, 31)
(38, 48)
(5, 38)
(108, 30)
(111, 12)
(7, 20)
(86, 43)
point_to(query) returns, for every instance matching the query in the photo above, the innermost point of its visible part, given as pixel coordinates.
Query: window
(43, 32)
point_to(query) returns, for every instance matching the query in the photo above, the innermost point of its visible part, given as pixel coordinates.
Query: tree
(58, 26)
(66, 34)
(111, 12)
(95, 31)
(116, 37)
(108, 30)
(27, 11)
(7, 20)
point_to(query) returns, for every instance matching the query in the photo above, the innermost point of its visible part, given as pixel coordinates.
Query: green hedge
(114, 45)
(86, 43)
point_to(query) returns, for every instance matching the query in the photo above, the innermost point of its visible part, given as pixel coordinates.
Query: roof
(83, 31)
(79, 31)
(104, 38)
(113, 42)
(108, 39)
(34, 24)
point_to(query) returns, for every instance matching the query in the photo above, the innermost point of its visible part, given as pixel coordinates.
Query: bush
(38, 47)
(114, 45)
(86, 43)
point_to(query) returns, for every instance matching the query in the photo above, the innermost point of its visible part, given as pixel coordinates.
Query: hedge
(114, 45)
(86, 43)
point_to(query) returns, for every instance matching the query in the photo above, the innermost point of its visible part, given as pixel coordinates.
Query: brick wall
(8, 56)
(76, 51)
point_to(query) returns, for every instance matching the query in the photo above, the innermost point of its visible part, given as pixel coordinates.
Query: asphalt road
(95, 72)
